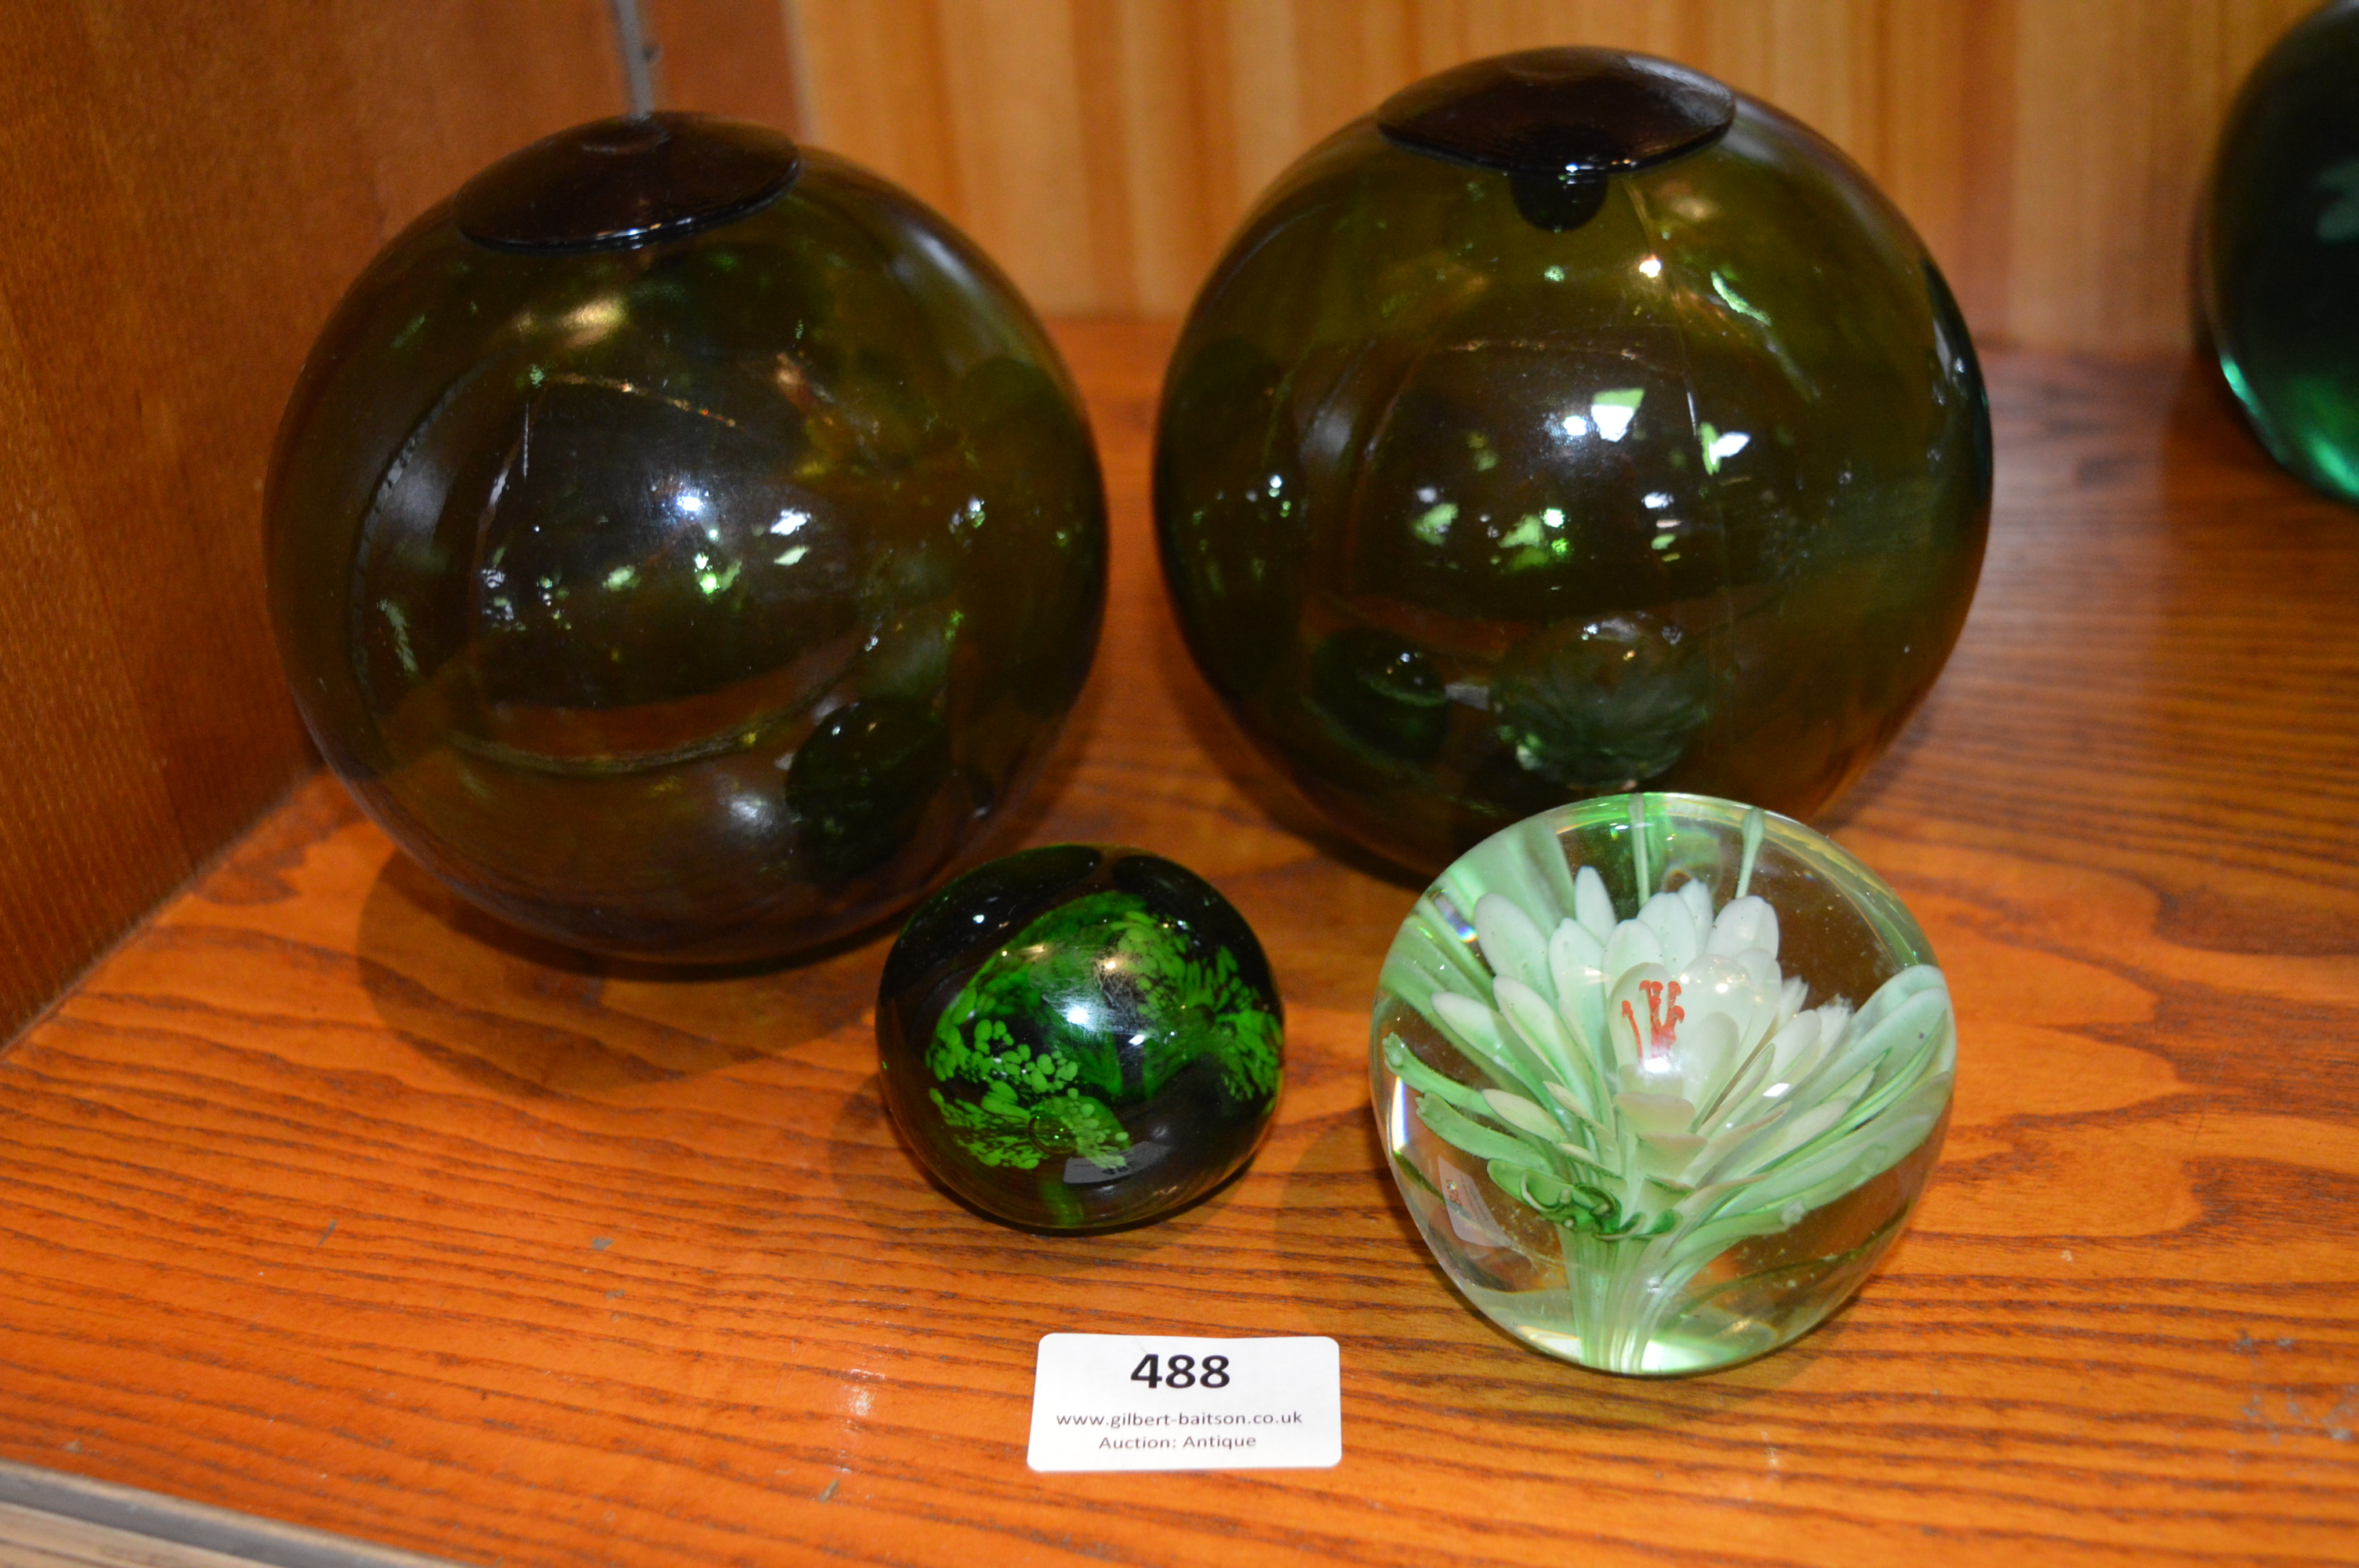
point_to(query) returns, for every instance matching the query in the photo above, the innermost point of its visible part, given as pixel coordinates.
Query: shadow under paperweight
(1660, 1078)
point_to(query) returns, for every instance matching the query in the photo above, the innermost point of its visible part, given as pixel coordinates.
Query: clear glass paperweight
(1660, 1076)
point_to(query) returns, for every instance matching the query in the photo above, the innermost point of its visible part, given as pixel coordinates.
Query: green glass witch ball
(1080, 1037)
(1571, 425)
(684, 544)
(2280, 250)
(1661, 1077)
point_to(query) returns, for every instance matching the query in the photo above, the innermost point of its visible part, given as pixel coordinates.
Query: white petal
(1529, 1014)
(1564, 1096)
(1842, 1162)
(1590, 903)
(1800, 1129)
(1656, 1113)
(1667, 1154)
(1631, 944)
(1698, 899)
(1897, 990)
(1897, 1036)
(1705, 1054)
(1512, 944)
(1712, 1191)
(1714, 982)
(1665, 914)
(1712, 1165)
(1577, 964)
(1789, 1043)
(1795, 993)
(1517, 1111)
(1477, 1025)
(1746, 922)
(1735, 1100)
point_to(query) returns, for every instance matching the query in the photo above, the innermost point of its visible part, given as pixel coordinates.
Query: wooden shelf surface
(326, 1200)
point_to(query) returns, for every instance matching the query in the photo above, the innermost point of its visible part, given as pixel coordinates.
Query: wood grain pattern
(1103, 150)
(330, 1202)
(190, 194)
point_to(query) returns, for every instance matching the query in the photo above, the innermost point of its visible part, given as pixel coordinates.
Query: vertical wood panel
(2049, 150)
(1164, 147)
(874, 87)
(1013, 83)
(2117, 104)
(188, 196)
(724, 57)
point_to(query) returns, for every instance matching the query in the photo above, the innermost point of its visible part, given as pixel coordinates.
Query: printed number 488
(1182, 1372)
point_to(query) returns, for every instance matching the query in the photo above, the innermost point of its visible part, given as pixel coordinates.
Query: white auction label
(1136, 1401)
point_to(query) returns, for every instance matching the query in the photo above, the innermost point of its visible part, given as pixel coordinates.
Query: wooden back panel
(189, 191)
(2049, 150)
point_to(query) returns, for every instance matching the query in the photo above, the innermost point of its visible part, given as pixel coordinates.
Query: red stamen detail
(1662, 1032)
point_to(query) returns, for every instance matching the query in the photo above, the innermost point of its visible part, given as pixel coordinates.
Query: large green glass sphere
(2280, 250)
(684, 544)
(1570, 426)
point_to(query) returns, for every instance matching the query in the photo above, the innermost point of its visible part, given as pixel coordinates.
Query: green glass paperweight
(2279, 282)
(683, 543)
(1570, 426)
(1080, 1037)
(1662, 1077)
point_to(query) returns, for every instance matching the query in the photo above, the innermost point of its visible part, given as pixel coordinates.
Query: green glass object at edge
(684, 543)
(1660, 1078)
(1569, 425)
(1079, 1037)
(2280, 284)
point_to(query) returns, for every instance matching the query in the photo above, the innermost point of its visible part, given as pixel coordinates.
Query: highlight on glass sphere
(2279, 251)
(1661, 1077)
(683, 543)
(1080, 1037)
(1570, 426)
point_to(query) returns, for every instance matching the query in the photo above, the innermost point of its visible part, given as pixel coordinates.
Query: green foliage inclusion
(1050, 1098)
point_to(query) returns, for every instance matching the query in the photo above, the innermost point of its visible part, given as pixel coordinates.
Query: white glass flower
(1657, 1082)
